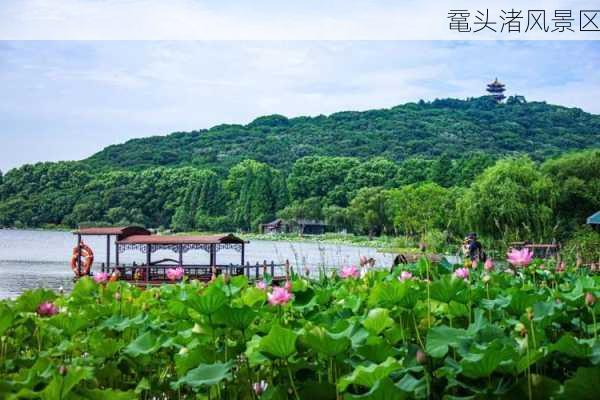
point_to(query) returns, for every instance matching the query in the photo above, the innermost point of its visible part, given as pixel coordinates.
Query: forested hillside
(419, 169)
(450, 126)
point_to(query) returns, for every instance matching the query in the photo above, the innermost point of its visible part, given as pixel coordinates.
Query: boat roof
(176, 239)
(112, 230)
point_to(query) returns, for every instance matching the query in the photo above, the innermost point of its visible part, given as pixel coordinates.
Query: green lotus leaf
(383, 389)
(573, 347)
(120, 323)
(238, 318)
(205, 375)
(60, 387)
(583, 386)
(447, 288)
(376, 352)
(106, 394)
(441, 337)
(253, 297)
(209, 301)
(146, 343)
(483, 362)
(322, 342)
(387, 294)
(31, 299)
(7, 316)
(255, 357)
(378, 319)
(143, 384)
(279, 343)
(368, 376)
(184, 361)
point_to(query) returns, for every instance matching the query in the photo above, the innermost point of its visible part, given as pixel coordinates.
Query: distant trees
(410, 169)
(512, 199)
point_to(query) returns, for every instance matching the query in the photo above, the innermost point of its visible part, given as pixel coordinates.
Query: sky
(65, 100)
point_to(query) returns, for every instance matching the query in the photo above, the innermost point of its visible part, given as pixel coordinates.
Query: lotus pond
(423, 331)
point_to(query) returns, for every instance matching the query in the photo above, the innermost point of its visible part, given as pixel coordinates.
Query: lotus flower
(488, 265)
(279, 296)
(349, 272)
(47, 309)
(462, 273)
(101, 277)
(405, 275)
(520, 258)
(175, 274)
(590, 300)
(262, 285)
(260, 387)
(560, 267)
(288, 285)
(474, 264)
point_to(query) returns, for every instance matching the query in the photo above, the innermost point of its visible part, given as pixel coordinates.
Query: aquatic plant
(430, 336)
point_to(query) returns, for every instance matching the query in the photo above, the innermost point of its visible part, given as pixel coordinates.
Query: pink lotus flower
(288, 285)
(520, 258)
(260, 387)
(590, 299)
(474, 264)
(462, 273)
(101, 277)
(47, 309)
(405, 275)
(349, 272)
(262, 285)
(279, 296)
(175, 274)
(488, 265)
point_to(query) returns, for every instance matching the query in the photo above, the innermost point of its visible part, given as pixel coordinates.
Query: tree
(577, 178)
(368, 211)
(254, 191)
(511, 199)
(377, 172)
(418, 208)
(319, 177)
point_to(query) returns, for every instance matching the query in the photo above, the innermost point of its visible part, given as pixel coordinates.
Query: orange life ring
(88, 259)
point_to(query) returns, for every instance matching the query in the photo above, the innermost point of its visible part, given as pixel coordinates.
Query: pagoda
(496, 90)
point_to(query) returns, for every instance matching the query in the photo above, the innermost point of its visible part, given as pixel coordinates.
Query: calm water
(32, 259)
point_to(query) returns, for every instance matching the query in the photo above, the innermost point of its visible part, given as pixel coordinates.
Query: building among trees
(302, 226)
(496, 90)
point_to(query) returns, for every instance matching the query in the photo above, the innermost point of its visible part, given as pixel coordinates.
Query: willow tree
(511, 199)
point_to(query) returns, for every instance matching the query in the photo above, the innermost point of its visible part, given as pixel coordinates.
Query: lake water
(32, 259)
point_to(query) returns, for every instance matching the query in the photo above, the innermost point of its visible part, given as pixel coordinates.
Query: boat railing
(204, 272)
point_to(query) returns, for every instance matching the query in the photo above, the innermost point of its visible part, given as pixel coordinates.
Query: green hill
(364, 171)
(450, 126)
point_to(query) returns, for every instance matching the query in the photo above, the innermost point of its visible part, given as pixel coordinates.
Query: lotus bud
(421, 357)
(183, 351)
(590, 300)
(62, 370)
(520, 329)
(529, 312)
(117, 296)
(488, 265)
(486, 279)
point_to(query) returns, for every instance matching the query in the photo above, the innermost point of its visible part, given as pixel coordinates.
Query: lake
(33, 259)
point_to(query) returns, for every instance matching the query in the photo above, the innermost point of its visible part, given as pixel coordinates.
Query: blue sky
(63, 100)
